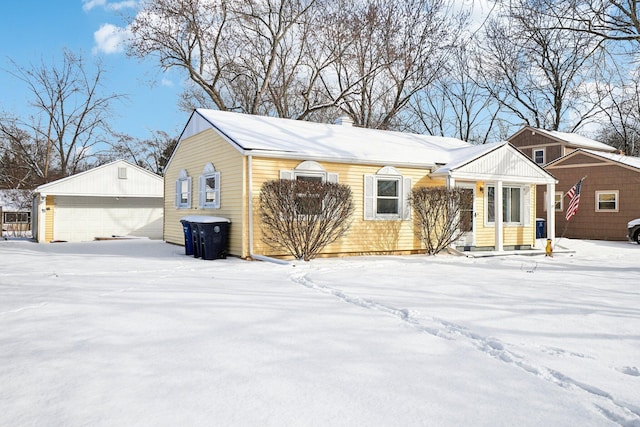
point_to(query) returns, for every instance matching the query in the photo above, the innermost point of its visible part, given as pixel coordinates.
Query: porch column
(451, 182)
(551, 212)
(498, 217)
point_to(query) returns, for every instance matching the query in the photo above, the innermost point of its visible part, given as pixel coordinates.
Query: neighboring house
(115, 199)
(15, 213)
(223, 158)
(610, 194)
(544, 146)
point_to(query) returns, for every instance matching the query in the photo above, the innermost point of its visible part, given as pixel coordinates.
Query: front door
(467, 216)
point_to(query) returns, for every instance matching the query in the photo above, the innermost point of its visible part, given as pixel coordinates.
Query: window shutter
(202, 191)
(369, 197)
(217, 190)
(526, 205)
(189, 192)
(332, 177)
(177, 197)
(406, 199)
(285, 174)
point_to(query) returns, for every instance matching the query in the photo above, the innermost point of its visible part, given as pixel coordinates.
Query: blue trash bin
(540, 228)
(188, 237)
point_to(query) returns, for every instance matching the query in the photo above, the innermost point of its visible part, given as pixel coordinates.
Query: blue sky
(33, 31)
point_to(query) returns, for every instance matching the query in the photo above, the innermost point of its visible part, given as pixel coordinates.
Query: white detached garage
(116, 199)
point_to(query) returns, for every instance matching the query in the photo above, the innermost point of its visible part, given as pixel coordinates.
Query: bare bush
(302, 217)
(439, 215)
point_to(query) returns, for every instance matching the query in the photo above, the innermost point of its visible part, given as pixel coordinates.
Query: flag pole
(567, 222)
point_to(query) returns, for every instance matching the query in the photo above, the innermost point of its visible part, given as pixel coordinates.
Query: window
(309, 203)
(183, 190)
(209, 188)
(557, 204)
(512, 204)
(16, 217)
(607, 201)
(122, 173)
(313, 172)
(387, 195)
(538, 156)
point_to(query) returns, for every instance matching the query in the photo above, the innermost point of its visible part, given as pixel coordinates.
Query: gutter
(250, 206)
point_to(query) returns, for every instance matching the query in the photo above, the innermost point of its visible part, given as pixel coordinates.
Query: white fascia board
(302, 156)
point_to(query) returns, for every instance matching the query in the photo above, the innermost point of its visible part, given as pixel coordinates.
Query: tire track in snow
(624, 414)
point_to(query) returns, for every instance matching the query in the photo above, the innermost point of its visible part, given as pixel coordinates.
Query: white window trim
(371, 198)
(544, 156)
(560, 198)
(525, 205)
(311, 169)
(208, 172)
(182, 177)
(617, 200)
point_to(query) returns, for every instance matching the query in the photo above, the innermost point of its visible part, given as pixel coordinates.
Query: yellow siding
(48, 219)
(363, 236)
(512, 235)
(193, 154)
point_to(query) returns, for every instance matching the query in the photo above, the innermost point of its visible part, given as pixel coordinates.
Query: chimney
(344, 121)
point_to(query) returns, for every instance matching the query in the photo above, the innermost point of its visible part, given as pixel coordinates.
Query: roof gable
(496, 161)
(584, 157)
(106, 180)
(567, 138)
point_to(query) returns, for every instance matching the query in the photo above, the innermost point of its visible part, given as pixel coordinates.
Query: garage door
(79, 219)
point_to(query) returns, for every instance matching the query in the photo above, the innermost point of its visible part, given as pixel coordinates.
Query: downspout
(250, 206)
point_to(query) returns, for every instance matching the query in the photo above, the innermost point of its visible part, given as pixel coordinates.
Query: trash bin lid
(204, 219)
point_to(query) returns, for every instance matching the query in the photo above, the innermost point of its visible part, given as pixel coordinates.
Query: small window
(122, 173)
(512, 206)
(183, 190)
(209, 188)
(17, 217)
(607, 201)
(387, 195)
(557, 204)
(538, 156)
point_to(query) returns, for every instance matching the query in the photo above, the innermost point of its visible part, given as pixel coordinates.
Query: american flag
(574, 199)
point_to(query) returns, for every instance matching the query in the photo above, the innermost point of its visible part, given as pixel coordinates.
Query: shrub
(302, 217)
(439, 218)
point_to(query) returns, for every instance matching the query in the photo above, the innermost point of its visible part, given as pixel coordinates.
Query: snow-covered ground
(135, 333)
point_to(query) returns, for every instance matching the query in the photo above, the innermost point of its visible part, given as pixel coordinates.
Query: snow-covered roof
(105, 181)
(576, 140)
(272, 136)
(620, 158)
(499, 160)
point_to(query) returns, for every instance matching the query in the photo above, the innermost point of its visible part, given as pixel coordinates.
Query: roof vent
(344, 121)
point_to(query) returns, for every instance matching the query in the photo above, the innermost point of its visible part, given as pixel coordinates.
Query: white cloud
(114, 6)
(110, 39)
(166, 82)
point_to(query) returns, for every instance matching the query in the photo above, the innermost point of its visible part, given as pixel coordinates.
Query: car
(634, 230)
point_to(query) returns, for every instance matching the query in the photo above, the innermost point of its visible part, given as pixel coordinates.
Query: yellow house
(223, 158)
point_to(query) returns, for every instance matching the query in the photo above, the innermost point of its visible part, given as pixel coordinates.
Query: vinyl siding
(375, 236)
(48, 218)
(192, 155)
(512, 234)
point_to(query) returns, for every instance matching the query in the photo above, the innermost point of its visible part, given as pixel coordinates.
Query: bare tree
(538, 73)
(69, 120)
(152, 153)
(612, 20)
(439, 216)
(456, 105)
(390, 51)
(303, 217)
